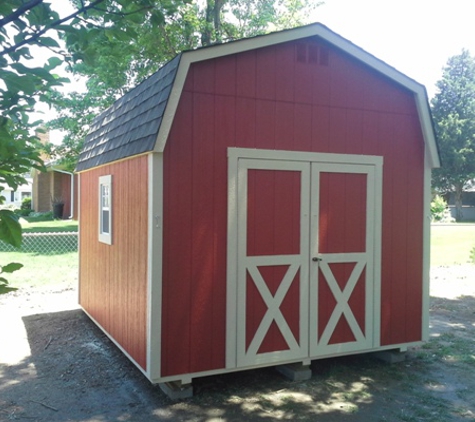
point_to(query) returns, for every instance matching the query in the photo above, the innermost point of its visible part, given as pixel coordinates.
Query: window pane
(105, 196)
(105, 221)
(105, 211)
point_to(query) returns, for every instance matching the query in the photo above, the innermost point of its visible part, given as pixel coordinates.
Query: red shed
(261, 202)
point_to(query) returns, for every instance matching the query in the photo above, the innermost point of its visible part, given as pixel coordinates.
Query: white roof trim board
(170, 104)
(312, 30)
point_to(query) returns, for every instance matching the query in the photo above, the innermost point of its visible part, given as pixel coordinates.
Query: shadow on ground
(74, 373)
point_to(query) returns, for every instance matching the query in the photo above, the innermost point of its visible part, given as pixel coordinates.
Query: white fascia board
(427, 127)
(316, 29)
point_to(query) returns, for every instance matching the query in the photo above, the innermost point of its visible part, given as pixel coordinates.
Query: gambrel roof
(130, 126)
(141, 120)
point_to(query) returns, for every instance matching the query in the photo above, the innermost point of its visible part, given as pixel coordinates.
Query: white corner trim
(426, 249)
(154, 264)
(231, 265)
(378, 236)
(79, 237)
(316, 29)
(425, 119)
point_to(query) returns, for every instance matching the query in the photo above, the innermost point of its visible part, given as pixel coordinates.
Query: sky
(417, 37)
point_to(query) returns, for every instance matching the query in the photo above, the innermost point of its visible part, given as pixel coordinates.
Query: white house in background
(468, 200)
(15, 197)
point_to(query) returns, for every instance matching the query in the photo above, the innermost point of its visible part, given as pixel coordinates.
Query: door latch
(316, 259)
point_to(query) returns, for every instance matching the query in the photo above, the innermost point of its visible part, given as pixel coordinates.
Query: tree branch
(122, 14)
(90, 23)
(17, 13)
(35, 36)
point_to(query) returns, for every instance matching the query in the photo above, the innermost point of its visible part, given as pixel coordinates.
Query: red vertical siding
(113, 278)
(266, 99)
(342, 223)
(177, 266)
(203, 247)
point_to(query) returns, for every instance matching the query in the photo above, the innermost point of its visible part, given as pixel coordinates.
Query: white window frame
(105, 236)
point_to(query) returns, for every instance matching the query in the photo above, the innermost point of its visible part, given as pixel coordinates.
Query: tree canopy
(453, 109)
(24, 25)
(117, 49)
(113, 43)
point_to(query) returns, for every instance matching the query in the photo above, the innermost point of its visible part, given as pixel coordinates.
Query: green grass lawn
(46, 260)
(41, 270)
(451, 244)
(49, 226)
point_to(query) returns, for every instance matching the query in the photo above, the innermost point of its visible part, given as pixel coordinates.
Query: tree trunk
(212, 31)
(458, 202)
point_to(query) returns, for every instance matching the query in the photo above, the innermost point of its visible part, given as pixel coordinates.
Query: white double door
(303, 255)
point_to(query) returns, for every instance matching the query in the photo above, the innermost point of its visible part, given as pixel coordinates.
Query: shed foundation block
(391, 356)
(295, 371)
(176, 390)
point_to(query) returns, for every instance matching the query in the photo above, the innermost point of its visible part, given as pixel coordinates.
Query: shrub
(439, 210)
(22, 212)
(40, 216)
(26, 203)
(472, 255)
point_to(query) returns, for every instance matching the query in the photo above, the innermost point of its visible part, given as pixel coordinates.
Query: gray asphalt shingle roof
(130, 126)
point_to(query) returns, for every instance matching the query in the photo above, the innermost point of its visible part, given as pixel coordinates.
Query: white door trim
(239, 161)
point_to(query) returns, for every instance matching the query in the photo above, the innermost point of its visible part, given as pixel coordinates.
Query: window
(105, 209)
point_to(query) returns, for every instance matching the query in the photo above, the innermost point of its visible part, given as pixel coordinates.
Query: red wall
(113, 278)
(267, 99)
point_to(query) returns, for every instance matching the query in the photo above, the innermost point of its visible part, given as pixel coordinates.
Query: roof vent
(312, 54)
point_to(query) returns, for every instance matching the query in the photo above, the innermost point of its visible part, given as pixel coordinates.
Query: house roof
(141, 120)
(130, 126)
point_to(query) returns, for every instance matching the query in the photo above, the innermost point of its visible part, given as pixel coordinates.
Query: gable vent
(312, 54)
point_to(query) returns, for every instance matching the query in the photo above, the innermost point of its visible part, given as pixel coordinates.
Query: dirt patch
(56, 365)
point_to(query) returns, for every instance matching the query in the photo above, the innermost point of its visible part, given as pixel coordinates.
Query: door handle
(316, 259)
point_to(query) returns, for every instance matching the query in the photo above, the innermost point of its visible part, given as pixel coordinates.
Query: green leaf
(5, 289)
(54, 62)
(12, 267)
(10, 228)
(48, 41)
(66, 28)
(17, 83)
(37, 71)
